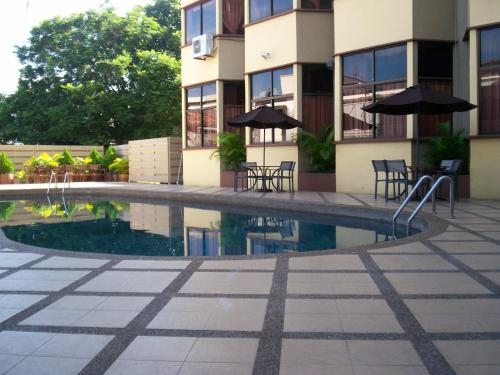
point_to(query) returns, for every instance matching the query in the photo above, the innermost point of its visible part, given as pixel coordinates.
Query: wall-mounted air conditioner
(202, 46)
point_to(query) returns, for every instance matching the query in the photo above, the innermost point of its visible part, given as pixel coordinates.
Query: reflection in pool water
(175, 229)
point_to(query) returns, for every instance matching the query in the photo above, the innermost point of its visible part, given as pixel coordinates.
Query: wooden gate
(155, 160)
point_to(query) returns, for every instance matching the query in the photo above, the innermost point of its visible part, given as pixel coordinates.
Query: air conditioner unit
(202, 46)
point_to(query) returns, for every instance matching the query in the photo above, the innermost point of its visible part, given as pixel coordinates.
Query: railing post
(452, 198)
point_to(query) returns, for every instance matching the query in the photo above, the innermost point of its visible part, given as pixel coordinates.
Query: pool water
(177, 229)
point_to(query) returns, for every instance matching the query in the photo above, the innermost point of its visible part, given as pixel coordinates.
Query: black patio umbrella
(419, 100)
(265, 118)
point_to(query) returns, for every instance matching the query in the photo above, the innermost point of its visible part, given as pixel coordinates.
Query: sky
(17, 17)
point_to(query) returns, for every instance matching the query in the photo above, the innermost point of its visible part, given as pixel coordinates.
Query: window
(368, 76)
(274, 89)
(200, 19)
(266, 8)
(201, 116)
(316, 4)
(317, 97)
(435, 70)
(232, 16)
(234, 103)
(489, 81)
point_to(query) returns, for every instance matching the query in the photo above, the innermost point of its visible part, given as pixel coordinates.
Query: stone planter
(310, 181)
(108, 176)
(123, 177)
(6, 178)
(463, 188)
(226, 178)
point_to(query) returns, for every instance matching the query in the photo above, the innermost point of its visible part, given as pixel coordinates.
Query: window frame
(200, 109)
(272, 99)
(272, 14)
(480, 70)
(200, 30)
(373, 85)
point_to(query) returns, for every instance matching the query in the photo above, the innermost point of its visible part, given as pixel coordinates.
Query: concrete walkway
(426, 305)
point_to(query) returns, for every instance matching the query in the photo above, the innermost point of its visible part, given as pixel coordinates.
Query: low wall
(19, 154)
(485, 168)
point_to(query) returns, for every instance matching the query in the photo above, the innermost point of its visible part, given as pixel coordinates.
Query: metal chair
(284, 172)
(397, 174)
(450, 168)
(247, 174)
(379, 167)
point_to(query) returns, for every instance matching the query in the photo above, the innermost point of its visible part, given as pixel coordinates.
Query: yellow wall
(485, 168)
(363, 24)
(227, 62)
(434, 19)
(199, 169)
(354, 167)
(483, 12)
(314, 37)
(275, 155)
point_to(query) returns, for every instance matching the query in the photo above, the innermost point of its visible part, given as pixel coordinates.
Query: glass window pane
(280, 6)
(316, 4)
(285, 105)
(489, 101)
(490, 46)
(390, 63)
(358, 68)
(356, 122)
(209, 96)
(193, 23)
(259, 9)
(428, 125)
(194, 98)
(193, 128)
(261, 85)
(208, 17)
(257, 135)
(232, 16)
(389, 126)
(234, 93)
(209, 127)
(283, 81)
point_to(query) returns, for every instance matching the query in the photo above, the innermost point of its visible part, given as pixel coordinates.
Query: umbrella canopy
(419, 100)
(265, 118)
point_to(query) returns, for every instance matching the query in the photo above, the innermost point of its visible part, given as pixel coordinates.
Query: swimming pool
(154, 228)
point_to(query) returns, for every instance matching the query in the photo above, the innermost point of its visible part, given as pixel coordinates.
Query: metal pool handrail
(409, 197)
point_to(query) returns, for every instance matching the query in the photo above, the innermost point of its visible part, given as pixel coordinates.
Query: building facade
(321, 61)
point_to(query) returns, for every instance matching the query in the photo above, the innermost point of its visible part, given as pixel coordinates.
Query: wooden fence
(20, 153)
(155, 160)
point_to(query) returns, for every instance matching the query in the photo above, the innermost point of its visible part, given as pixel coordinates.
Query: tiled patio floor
(430, 306)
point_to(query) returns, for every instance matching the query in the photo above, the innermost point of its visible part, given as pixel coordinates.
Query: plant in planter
(120, 166)
(6, 169)
(6, 210)
(319, 150)
(44, 164)
(447, 146)
(107, 159)
(65, 159)
(93, 161)
(21, 176)
(29, 170)
(231, 150)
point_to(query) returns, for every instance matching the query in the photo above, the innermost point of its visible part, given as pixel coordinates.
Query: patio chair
(379, 167)
(397, 174)
(450, 168)
(284, 172)
(247, 174)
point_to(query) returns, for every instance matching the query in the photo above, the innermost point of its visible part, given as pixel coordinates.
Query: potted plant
(93, 162)
(29, 170)
(44, 165)
(319, 151)
(6, 210)
(107, 159)
(120, 166)
(231, 151)
(6, 169)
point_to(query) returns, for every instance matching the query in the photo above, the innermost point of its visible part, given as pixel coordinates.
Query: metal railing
(430, 194)
(53, 178)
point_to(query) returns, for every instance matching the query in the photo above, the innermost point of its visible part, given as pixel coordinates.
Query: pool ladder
(53, 178)
(430, 194)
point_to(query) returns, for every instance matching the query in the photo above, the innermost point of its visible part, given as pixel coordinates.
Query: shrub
(320, 149)
(446, 146)
(231, 150)
(119, 166)
(6, 210)
(64, 158)
(6, 165)
(109, 157)
(21, 176)
(44, 160)
(94, 157)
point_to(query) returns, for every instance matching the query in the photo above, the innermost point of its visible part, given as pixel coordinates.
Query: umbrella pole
(264, 186)
(418, 150)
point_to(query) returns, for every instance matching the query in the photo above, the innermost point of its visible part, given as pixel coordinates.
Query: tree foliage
(97, 77)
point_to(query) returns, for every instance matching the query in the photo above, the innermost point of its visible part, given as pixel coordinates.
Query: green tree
(97, 77)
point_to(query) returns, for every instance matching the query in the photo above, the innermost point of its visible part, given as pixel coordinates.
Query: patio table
(266, 174)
